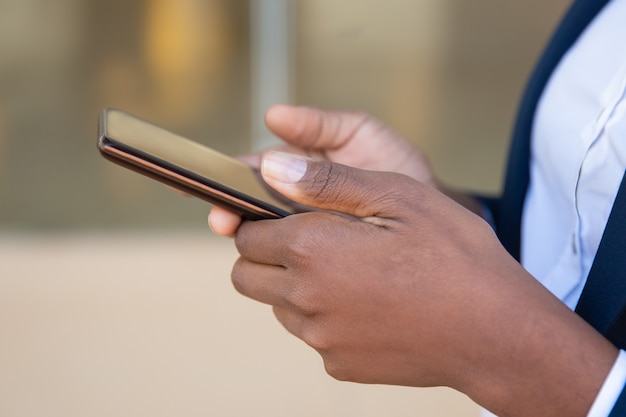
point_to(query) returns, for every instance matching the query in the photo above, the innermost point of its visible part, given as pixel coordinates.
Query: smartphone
(187, 165)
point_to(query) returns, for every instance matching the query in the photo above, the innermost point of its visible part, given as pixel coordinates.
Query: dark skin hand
(408, 287)
(349, 138)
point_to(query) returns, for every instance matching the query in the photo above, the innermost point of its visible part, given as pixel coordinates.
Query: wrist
(611, 389)
(466, 200)
(554, 366)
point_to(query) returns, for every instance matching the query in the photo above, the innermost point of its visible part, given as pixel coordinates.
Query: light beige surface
(149, 325)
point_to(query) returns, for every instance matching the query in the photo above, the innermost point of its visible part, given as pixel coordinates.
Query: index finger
(224, 222)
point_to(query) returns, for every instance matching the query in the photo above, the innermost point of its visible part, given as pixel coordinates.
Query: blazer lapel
(508, 210)
(603, 300)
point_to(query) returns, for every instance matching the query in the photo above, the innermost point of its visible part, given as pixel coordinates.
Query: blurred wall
(183, 64)
(445, 73)
(131, 325)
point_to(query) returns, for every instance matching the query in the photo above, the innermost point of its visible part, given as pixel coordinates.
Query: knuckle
(343, 126)
(302, 243)
(362, 119)
(237, 276)
(404, 199)
(242, 237)
(317, 338)
(337, 370)
(327, 181)
(365, 124)
(402, 195)
(302, 301)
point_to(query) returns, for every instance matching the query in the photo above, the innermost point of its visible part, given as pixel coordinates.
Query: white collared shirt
(578, 159)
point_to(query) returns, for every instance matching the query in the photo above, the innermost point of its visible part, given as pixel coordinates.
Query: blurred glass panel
(183, 64)
(445, 73)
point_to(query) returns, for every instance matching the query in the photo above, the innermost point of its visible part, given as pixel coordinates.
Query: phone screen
(187, 165)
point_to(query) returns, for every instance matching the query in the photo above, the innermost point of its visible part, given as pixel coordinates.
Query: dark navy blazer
(603, 300)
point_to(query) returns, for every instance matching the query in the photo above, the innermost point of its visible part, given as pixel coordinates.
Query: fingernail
(284, 167)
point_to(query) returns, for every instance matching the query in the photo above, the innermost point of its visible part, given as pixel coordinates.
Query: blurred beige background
(114, 297)
(130, 325)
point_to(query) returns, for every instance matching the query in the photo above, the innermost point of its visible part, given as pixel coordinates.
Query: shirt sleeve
(611, 389)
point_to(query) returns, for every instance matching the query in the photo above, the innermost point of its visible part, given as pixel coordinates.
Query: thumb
(311, 128)
(330, 186)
